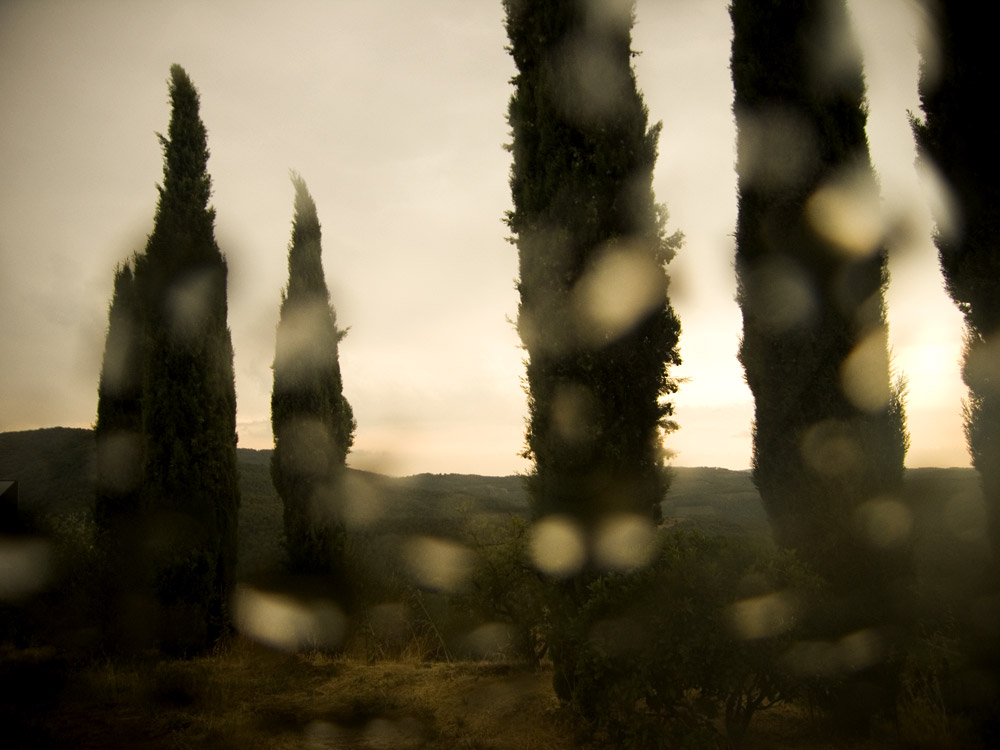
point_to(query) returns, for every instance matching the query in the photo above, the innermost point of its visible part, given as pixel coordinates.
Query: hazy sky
(394, 112)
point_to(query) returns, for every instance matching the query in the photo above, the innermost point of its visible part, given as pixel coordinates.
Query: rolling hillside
(55, 469)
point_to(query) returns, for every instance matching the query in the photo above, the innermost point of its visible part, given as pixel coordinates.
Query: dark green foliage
(179, 416)
(505, 587)
(957, 140)
(829, 429)
(699, 634)
(312, 422)
(119, 507)
(962, 144)
(584, 218)
(594, 315)
(119, 409)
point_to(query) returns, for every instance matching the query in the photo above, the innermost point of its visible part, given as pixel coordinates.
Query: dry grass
(249, 696)
(253, 697)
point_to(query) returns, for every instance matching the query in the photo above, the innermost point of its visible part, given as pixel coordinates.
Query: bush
(505, 589)
(655, 657)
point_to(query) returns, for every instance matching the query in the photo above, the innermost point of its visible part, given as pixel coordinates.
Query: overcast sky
(394, 112)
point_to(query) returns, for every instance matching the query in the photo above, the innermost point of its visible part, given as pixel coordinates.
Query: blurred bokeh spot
(189, 305)
(763, 616)
(624, 542)
(828, 448)
(852, 653)
(557, 546)
(621, 288)
(438, 564)
(884, 522)
(25, 567)
(847, 212)
(287, 623)
(863, 374)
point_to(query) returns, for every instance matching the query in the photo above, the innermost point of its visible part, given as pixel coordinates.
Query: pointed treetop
(305, 264)
(186, 186)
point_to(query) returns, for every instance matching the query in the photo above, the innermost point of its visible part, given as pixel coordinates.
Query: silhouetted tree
(118, 507)
(594, 316)
(962, 144)
(189, 398)
(176, 364)
(118, 429)
(956, 139)
(829, 429)
(313, 423)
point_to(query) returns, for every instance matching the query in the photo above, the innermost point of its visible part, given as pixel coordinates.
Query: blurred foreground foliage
(684, 652)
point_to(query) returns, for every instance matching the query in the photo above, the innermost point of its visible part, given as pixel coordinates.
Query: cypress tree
(312, 421)
(961, 143)
(829, 434)
(119, 409)
(189, 397)
(173, 362)
(594, 316)
(118, 508)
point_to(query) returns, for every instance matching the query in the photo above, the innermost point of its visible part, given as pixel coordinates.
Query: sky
(394, 112)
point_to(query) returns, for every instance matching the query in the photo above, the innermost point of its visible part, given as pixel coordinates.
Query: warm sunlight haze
(395, 115)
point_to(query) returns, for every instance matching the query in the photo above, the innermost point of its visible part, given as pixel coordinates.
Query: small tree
(312, 422)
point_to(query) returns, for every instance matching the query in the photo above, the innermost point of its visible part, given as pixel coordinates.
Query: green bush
(505, 588)
(654, 658)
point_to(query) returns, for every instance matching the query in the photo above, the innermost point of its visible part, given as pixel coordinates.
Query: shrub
(505, 588)
(660, 654)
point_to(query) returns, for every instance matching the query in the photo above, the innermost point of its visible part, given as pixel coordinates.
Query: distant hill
(56, 469)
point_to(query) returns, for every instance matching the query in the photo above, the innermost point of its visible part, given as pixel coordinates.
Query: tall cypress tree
(189, 397)
(829, 431)
(118, 508)
(179, 396)
(962, 144)
(594, 316)
(312, 421)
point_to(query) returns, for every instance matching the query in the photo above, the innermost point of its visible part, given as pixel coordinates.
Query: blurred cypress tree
(829, 428)
(119, 408)
(956, 139)
(118, 507)
(189, 498)
(312, 422)
(594, 315)
(962, 145)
